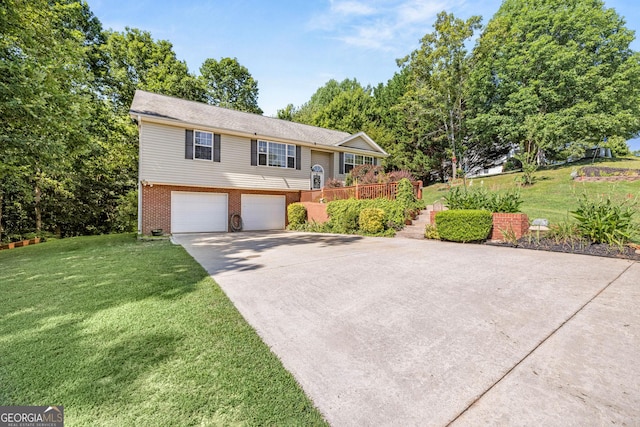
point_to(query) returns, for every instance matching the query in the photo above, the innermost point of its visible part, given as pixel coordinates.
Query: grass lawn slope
(126, 333)
(555, 193)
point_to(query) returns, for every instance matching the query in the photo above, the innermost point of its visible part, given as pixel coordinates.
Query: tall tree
(43, 99)
(136, 61)
(437, 92)
(230, 85)
(555, 76)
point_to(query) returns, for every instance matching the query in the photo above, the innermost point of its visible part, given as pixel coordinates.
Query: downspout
(139, 182)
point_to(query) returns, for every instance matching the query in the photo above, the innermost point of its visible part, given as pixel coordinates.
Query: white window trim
(200, 145)
(354, 164)
(286, 166)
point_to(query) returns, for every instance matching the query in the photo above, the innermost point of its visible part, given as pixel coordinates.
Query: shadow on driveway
(237, 252)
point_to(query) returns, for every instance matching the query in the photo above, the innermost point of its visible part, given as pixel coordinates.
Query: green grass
(555, 193)
(123, 332)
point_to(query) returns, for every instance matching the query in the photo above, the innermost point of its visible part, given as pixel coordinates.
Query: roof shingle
(198, 113)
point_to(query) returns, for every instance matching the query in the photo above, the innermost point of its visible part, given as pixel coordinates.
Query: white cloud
(417, 11)
(351, 8)
(378, 25)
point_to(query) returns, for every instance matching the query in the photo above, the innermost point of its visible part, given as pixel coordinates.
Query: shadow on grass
(226, 252)
(78, 299)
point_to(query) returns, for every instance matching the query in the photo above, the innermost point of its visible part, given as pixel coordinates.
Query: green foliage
(529, 167)
(126, 218)
(230, 85)
(465, 225)
(406, 197)
(512, 164)
(437, 90)
(344, 215)
(602, 220)
(552, 75)
(135, 60)
(348, 180)
(483, 199)
(564, 232)
(431, 232)
(297, 214)
(371, 220)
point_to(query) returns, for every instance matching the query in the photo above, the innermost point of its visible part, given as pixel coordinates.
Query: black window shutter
(341, 163)
(254, 152)
(298, 157)
(216, 147)
(375, 161)
(188, 144)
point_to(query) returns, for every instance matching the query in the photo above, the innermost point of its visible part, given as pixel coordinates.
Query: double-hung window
(276, 154)
(353, 160)
(203, 145)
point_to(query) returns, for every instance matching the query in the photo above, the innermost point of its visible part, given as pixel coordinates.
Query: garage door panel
(198, 212)
(263, 212)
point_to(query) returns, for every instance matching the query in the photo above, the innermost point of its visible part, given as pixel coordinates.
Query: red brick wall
(316, 212)
(518, 222)
(156, 203)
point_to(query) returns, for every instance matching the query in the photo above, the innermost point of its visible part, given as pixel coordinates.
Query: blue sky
(293, 47)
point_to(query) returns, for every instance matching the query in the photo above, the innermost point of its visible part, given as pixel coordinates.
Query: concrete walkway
(417, 332)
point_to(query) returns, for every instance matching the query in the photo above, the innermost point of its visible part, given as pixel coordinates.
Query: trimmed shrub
(297, 214)
(431, 232)
(464, 225)
(371, 220)
(344, 215)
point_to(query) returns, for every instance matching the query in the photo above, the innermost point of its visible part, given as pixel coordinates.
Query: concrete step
(416, 229)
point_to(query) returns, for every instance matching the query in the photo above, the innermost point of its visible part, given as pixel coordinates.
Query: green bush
(601, 220)
(464, 225)
(344, 215)
(483, 199)
(297, 214)
(371, 220)
(431, 232)
(404, 194)
(406, 197)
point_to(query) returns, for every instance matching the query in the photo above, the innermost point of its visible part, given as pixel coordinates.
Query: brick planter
(316, 212)
(516, 222)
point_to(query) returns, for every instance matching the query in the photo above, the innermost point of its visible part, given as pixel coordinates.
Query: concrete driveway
(409, 332)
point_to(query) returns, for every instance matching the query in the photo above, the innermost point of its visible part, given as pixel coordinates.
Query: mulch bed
(575, 247)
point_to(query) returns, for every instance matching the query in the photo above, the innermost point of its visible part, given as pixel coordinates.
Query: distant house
(200, 164)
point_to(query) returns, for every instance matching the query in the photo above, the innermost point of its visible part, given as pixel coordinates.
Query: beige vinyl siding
(162, 160)
(358, 143)
(325, 160)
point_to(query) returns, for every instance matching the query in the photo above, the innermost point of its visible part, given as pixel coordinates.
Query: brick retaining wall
(619, 178)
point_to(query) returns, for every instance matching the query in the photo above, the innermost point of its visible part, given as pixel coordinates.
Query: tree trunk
(38, 210)
(452, 138)
(1, 202)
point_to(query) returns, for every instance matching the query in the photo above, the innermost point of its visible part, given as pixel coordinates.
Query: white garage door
(198, 212)
(260, 212)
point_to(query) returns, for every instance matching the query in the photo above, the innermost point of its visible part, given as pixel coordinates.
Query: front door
(317, 177)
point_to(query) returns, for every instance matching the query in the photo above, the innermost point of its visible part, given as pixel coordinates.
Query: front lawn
(555, 193)
(123, 332)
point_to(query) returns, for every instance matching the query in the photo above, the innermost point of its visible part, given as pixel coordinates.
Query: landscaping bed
(581, 247)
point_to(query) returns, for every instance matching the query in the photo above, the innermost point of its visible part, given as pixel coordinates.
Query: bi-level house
(201, 164)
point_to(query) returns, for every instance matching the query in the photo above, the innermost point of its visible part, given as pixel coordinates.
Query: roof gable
(361, 141)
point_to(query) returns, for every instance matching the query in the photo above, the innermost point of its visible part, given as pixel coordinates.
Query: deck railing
(366, 191)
